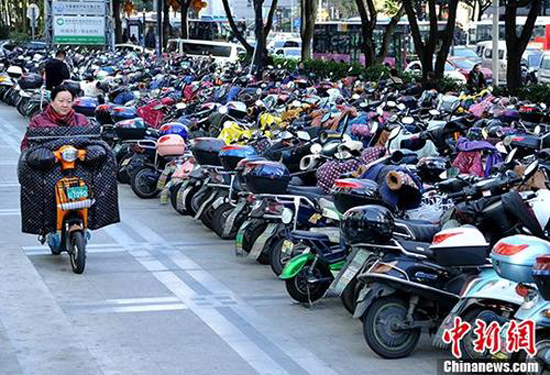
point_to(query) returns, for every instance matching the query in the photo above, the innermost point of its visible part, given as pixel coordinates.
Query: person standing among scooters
(56, 70)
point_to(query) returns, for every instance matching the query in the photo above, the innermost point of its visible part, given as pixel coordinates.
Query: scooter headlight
(70, 154)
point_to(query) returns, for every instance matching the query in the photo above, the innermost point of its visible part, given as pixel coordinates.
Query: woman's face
(63, 103)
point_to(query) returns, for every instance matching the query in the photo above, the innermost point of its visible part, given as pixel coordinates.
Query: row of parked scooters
(410, 206)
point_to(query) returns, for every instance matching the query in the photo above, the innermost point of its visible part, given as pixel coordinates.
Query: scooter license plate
(349, 271)
(76, 193)
(287, 247)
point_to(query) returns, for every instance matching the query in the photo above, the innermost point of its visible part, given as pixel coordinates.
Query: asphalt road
(161, 295)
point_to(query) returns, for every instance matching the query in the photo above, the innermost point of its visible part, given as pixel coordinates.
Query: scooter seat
(311, 192)
(420, 248)
(423, 231)
(306, 235)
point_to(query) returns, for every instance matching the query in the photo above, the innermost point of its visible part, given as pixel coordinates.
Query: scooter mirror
(304, 136)
(537, 130)
(181, 106)
(355, 96)
(325, 117)
(401, 106)
(391, 104)
(434, 112)
(511, 156)
(484, 133)
(374, 128)
(543, 106)
(316, 148)
(363, 105)
(407, 120)
(350, 69)
(259, 103)
(379, 111)
(531, 170)
(223, 110)
(394, 133)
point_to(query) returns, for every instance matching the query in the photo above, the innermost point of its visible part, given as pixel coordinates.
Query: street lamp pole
(496, 35)
(159, 28)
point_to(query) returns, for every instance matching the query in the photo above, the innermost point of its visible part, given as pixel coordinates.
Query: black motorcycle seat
(423, 231)
(311, 192)
(307, 235)
(420, 248)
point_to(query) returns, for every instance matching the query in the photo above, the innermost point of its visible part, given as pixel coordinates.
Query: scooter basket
(231, 155)
(85, 106)
(514, 257)
(131, 129)
(266, 177)
(206, 150)
(541, 274)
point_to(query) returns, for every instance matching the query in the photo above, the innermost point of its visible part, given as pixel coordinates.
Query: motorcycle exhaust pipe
(394, 180)
(328, 135)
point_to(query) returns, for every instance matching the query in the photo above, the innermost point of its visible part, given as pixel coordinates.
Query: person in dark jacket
(476, 79)
(56, 71)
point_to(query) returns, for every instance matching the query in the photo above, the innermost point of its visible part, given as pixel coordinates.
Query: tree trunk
(184, 12)
(368, 23)
(118, 24)
(447, 39)
(423, 50)
(165, 23)
(260, 49)
(388, 33)
(238, 34)
(309, 14)
(516, 43)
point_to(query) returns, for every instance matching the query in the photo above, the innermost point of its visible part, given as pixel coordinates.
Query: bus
(482, 31)
(341, 41)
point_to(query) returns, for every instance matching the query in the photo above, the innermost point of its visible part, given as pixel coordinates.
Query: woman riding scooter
(59, 112)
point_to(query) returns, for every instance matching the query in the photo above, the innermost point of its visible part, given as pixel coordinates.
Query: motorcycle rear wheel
(302, 290)
(140, 186)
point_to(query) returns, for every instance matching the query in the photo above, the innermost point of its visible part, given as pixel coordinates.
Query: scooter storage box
(514, 257)
(206, 150)
(85, 105)
(131, 129)
(458, 247)
(120, 113)
(171, 145)
(29, 81)
(541, 273)
(231, 155)
(353, 192)
(266, 177)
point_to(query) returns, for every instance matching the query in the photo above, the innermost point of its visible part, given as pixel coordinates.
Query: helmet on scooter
(174, 128)
(171, 145)
(430, 168)
(102, 114)
(367, 224)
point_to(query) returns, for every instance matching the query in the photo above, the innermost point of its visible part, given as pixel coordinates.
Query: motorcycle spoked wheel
(174, 190)
(381, 333)
(141, 185)
(251, 234)
(277, 259)
(303, 289)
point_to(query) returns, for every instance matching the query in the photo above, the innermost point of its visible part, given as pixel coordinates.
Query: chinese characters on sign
(77, 22)
(488, 336)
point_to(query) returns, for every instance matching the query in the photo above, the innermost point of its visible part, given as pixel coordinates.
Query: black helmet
(367, 224)
(430, 168)
(103, 114)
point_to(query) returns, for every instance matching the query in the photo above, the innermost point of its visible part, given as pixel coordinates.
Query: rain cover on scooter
(38, 205)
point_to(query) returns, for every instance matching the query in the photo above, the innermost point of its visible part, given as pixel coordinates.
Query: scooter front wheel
(382, 331)
(77, 252)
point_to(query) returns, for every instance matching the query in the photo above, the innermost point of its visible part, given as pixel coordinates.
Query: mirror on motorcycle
(394, 133)
(380, 111)
(484, 133)
(401, 106)
(363, 105)
(407, 120)
(223, 110)
(537, 130)
(393, 119)
(259, 103)
(350, 69)
(325, 117)
(374, 127)
(316, 148)
(303, 136)
(543, 106)
(181, 106)
(391, 104)
(531, 170)
(510, 156)
(356, 96)
(286, 135)
(434, 112)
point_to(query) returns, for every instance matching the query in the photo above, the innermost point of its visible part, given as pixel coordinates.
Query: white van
(487, 59)
(221, 52)
(544, 68)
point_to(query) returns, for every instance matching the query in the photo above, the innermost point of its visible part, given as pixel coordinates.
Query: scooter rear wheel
(77, 255)
(141, 185)
(380, 328)
(301, 289)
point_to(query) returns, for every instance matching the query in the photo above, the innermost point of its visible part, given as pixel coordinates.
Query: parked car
(129, 47)
(543, 74)
(465, 65)
(465, 52)
(531, 53)
(221, 52)
(290, 53)
(277, 44)
(450, 71)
